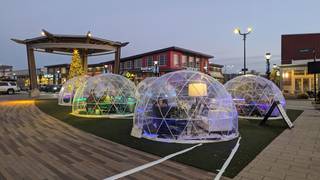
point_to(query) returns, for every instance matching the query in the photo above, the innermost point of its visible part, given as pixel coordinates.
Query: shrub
(302, 96)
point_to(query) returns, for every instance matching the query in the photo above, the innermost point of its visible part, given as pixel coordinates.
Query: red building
(292, 44)
(142, 65)
(168, 59)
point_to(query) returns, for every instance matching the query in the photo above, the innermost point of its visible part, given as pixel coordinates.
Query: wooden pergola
(65, 44)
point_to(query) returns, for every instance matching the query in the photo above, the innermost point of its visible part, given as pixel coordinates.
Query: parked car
(8, 87)
(52, 88)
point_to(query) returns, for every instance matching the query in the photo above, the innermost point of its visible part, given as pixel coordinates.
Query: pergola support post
(84, 58)
(34, 92)
(117, 54)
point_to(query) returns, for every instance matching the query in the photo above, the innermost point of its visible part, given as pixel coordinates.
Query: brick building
(293, 69)
(142, 65)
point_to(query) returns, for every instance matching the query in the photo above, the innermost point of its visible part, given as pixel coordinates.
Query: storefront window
(191, 62)
(305, 84)
(286, 78)
(137, 63)
(163, 59)
(298, 85)
(128, 65)
(176, 60)
(184, 62)
(121, 66)
(197, 62)
(149, 61)
(63, 70)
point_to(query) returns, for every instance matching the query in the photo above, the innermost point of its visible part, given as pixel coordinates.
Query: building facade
(167, 60)
(6, 72)
(215, 70)
(23, 79)
(296, 52)
(144, 65)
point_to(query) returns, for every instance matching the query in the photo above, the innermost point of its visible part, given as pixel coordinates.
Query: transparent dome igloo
(253, 96)
(142, 86)
(185, 107)
(69, 88)
(106, 95)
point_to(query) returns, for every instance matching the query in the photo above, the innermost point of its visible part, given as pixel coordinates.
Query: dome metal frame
(253, 96)
(185, 107)
(105, 96)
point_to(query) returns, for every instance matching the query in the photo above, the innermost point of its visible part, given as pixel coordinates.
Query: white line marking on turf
(227, 162)
(145, 166)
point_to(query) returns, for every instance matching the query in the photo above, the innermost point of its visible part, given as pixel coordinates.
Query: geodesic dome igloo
(185, 107)
(142, 86)
(106, 95)
(69, 88)
(253, 95)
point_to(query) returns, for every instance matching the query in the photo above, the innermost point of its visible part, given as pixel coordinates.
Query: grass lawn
(209, 157)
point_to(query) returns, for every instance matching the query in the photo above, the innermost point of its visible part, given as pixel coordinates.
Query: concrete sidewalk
(294, 154)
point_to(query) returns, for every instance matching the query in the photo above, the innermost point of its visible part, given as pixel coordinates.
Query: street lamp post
(58, 77)
(268, 56)
(244, 35)
(106, 68)
(206, 69)
(156, 68)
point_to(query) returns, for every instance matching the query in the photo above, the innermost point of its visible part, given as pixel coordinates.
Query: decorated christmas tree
(76, 68)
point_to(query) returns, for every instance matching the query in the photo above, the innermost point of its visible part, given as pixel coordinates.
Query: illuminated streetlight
(238, 31)
(156, 68)
(268, 56)
(106, 68)
(89, 34)
(43, 33)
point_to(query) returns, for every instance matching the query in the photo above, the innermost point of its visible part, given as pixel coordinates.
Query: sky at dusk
(200, 25)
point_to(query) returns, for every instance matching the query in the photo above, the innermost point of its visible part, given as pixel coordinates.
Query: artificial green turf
(209, 157)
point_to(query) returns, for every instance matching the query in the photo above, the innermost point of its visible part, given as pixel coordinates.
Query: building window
(184, 62)
(121, 66)
(175, 60)
(137, 63)
(191, 62)
(50, 70)
(149, 61)
(286, 78)
(163, 59)
(63, 70)
(128, 65)
(197, 62)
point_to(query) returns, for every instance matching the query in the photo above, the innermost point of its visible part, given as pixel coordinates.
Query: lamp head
(89, 34)
(236, 31)
(249, 29)
(155, 62)
(268, 56)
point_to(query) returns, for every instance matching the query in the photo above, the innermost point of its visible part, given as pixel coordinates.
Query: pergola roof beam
(73, 46)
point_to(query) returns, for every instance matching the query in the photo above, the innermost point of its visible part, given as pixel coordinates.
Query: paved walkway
(294, 154)
(34, 145)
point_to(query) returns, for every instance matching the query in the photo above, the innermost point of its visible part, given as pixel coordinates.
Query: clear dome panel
(185, 107)
(253, 96)
(69, 89)
(142, 86)
(106, 95)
